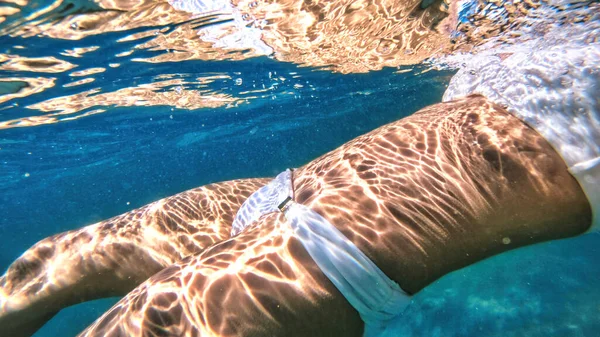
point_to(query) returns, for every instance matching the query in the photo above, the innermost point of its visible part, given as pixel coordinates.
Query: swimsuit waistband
(376, 297)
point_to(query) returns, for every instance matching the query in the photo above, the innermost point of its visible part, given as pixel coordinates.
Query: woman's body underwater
(443, 188)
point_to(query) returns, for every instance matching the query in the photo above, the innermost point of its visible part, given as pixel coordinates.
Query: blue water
(69, 174)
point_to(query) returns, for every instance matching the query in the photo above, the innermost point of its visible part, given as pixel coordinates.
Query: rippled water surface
(108, 105)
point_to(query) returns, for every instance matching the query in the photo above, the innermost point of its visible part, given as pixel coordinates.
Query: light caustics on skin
(267, 258)
(406, 194)
(149, 238)
(455, 182)
(548, 75)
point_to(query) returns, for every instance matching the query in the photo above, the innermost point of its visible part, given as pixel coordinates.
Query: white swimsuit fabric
(265, 200)
(377, 298)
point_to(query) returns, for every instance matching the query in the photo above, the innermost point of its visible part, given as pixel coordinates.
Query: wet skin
(441, 189)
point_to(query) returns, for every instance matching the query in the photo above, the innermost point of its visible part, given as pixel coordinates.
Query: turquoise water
(70, 173)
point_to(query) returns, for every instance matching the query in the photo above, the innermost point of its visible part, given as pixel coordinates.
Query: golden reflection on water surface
(342, 35)
(16, 87)
(348, 36)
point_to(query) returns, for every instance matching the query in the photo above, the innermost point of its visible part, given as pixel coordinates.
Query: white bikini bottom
(377, 298)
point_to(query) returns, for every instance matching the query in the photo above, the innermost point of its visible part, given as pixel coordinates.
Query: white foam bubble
(239, 33)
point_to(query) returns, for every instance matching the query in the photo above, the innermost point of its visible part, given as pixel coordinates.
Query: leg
(260, 283)
(112, 257)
